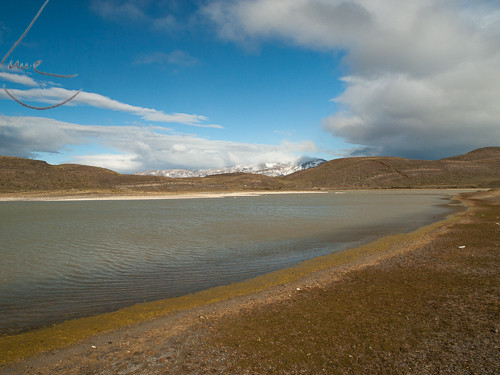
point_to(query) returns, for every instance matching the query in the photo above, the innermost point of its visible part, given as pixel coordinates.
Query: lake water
(64, 260)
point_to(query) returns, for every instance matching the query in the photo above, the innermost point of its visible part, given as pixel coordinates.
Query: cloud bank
(18, 78)
(160, 15)
(423, 75)
(135, 148)
(54, 95)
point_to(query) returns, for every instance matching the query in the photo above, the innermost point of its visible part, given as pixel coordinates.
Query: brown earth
(28, 177)
(427, 303)
(477, 169)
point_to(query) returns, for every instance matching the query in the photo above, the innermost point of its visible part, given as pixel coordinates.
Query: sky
(210, 83)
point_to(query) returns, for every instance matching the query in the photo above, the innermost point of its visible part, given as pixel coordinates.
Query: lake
(62, 260)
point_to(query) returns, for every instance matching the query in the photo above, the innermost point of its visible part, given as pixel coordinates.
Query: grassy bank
(477, 169)
(65, 334)
(422, 303)
(432, 310)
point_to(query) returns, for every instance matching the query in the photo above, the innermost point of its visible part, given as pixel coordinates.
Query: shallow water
(64, 260)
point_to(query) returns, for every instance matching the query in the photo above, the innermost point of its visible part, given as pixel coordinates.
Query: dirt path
(427, 304)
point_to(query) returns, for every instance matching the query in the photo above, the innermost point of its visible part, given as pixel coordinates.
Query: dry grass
(431, 308)
(435, 310)
(24, 177)
(14, 347)
(480, 168)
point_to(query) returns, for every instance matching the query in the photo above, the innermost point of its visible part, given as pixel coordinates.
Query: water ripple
(64, 260)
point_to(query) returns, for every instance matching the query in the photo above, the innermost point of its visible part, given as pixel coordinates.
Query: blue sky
(202, 84)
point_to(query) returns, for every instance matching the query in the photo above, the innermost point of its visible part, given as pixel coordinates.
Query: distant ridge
(267, 169)
(476, 169)
(484, 154)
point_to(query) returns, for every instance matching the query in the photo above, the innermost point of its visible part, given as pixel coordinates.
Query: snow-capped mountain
(268, 169)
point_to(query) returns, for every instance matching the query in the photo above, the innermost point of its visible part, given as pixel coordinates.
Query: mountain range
(266, 169)
(477, 169)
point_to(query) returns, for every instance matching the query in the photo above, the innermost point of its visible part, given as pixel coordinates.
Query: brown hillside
(18, 175)
(481, 154)
(25, 175)
(479, 168)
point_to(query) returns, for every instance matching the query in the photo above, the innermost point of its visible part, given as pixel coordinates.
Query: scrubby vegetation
(479, 168)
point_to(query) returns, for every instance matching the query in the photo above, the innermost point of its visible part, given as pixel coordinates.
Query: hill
(19, 175)
(25, 175)
(478, 168)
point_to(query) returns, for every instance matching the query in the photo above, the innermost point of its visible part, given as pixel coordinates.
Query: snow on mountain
(268, 169)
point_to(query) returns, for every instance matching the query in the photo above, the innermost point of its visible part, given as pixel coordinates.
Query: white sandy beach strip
(119, 197)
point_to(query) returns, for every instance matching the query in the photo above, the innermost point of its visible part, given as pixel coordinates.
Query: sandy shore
(106, 196)
(420, 303)
(116, 197)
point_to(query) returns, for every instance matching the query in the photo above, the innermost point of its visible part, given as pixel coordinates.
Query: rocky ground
(429, 306)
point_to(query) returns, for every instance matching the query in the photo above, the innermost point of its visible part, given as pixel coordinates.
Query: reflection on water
(62, 260)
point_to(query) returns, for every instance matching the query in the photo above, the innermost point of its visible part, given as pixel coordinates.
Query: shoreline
(125, 197)
(104, 196)
(75, 334)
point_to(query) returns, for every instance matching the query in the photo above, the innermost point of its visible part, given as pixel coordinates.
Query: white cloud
(158, 15)
(135, 148)
(55, 95)
(18, 78)
(322, 24)
(27, 136)
(116, 9)
(424, 78)
(115, 162)
(167, 23)
(176, 57)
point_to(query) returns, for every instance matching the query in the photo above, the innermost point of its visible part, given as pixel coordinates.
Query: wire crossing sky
(211, 83)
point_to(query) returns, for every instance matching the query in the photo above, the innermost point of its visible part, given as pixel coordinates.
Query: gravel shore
(428, 303)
